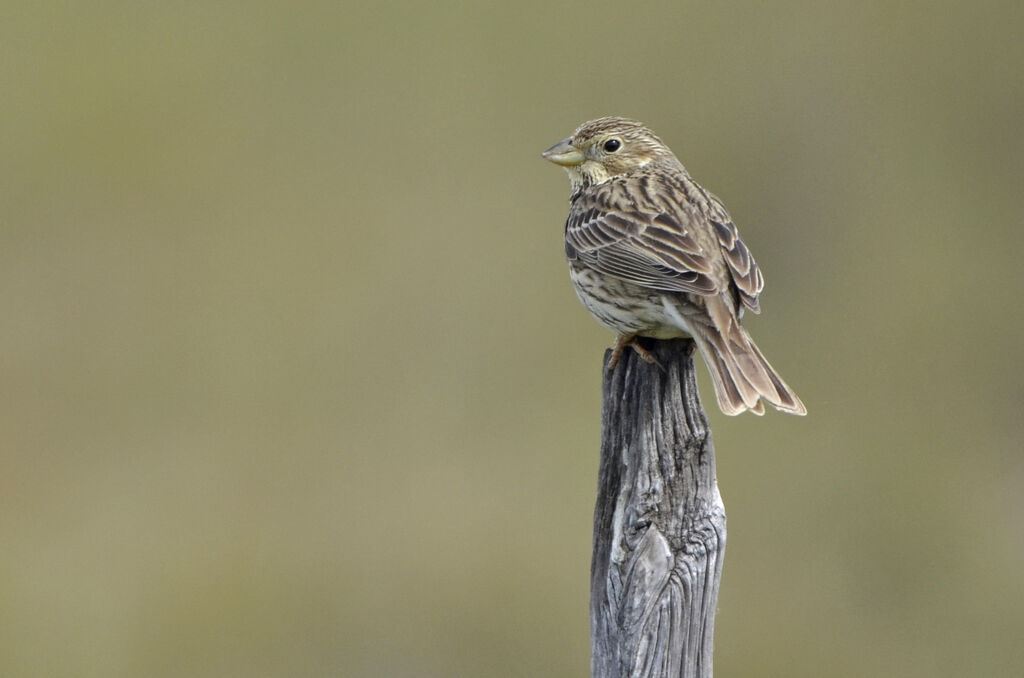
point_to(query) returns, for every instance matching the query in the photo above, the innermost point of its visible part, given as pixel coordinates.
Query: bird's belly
(623, 307)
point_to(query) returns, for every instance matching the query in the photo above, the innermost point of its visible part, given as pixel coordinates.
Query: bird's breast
(625, 308)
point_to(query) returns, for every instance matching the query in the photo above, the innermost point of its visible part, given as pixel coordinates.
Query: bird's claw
(630, 340)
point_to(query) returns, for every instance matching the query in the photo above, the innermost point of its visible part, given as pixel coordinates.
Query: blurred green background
(294, 383)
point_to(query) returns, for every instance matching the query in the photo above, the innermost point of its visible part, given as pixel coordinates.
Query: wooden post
(659, 523)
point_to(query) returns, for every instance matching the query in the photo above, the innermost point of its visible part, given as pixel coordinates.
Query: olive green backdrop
(293, 381)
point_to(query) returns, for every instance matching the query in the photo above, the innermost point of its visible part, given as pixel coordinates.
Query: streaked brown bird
(652, 254)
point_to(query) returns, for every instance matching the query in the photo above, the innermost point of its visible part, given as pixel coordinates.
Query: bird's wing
(746, 276)
(627, 228)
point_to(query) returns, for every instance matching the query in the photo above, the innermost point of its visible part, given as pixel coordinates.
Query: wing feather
(664, 234)
(625, 230)
(746, 276)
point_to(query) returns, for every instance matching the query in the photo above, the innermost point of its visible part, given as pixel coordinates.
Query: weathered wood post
(659, 523)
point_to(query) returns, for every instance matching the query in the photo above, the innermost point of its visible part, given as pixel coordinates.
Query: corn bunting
(652, 254)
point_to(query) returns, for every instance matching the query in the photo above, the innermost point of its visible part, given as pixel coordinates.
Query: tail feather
(734, 396)
(788, 400)
(741, 375)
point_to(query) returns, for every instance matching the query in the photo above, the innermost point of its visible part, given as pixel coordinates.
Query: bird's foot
(630, 340)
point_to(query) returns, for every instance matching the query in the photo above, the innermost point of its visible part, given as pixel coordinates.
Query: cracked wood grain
(659, 522)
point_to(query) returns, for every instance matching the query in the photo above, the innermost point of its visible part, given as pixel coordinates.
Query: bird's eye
(612, 145)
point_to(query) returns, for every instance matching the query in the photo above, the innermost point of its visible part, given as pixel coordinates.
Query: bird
(653, 254)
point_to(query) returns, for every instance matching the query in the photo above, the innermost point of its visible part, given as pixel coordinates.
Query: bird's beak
(564, 153)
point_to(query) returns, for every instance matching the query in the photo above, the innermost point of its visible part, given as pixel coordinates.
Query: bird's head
(607, 147)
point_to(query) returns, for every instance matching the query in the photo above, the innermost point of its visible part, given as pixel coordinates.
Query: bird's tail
(741, 375)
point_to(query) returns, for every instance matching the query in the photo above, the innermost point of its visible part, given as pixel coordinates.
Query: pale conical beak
(564, 153)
